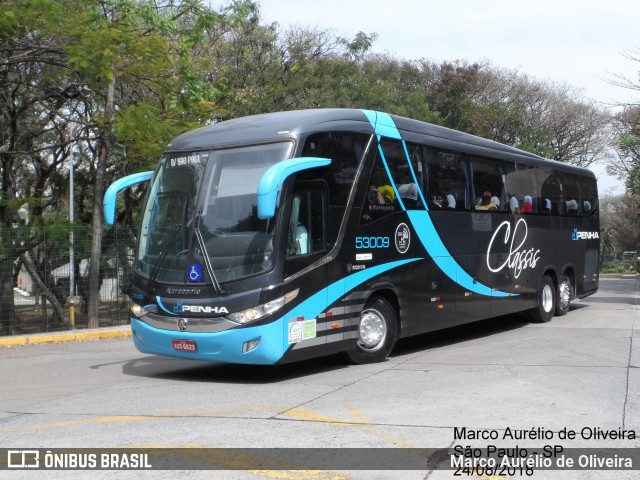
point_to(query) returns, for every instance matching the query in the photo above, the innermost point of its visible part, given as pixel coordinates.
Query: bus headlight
(138, 311)
(255, 313)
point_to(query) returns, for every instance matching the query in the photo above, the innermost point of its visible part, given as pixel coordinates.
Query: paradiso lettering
(519, 258)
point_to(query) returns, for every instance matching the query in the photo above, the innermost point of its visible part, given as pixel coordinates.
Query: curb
(68, 336)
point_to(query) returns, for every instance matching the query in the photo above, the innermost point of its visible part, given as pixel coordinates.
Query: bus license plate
(185, 345)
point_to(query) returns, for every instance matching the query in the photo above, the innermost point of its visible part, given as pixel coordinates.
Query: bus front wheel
(377, 332)
(546, 301)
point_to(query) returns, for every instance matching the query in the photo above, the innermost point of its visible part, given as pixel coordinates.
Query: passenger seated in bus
(514, 205)
(298, 242)
(496, 202)
(301, 240)
(546, 210)
(409, 195)
(527, 206)
(437, 202)
(485, 204)
(381, 195)
(572, 207)
(586, 206)
(451, 202)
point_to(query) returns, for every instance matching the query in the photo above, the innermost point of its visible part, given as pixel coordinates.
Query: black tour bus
(285, 236)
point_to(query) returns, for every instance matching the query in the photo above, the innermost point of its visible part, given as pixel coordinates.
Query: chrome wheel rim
(372, 331)
(547, 298)
(564, 294)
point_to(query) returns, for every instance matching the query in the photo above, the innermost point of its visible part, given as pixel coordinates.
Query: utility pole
(72, 263)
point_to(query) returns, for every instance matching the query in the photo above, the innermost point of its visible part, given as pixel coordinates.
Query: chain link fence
(35, 277)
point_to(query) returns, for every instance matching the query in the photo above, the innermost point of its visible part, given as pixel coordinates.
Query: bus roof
(269, 127)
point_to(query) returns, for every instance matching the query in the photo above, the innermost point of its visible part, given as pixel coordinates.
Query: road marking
(231, 459)
(303, 413)
(120, 418)
(275, 469)
(359, 420)
(136, 418)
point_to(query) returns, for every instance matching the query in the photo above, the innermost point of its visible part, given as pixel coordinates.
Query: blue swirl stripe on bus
(223, 346)
(441, 256)
(161, 305)
(384, 126)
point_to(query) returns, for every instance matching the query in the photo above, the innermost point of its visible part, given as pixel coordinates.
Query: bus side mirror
(109, 201)
(275, 176)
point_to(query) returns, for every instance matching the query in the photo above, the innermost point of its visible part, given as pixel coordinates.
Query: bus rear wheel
(565, 289)
(546, 301)
(377, 332)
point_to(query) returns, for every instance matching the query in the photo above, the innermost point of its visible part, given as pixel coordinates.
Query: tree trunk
(53, 300)
(9, 321)
(98, 207)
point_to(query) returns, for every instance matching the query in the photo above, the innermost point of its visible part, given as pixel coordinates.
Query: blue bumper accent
(223, 346)
(226, 346)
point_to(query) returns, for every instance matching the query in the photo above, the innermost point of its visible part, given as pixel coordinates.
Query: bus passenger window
(571, 194)
(552, 200)
(446, 180)
(521, 187)
(488, 185)
(307, 222)
(589, 191)
(386, 194)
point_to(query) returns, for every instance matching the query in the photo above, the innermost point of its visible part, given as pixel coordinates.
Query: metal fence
(35, 277)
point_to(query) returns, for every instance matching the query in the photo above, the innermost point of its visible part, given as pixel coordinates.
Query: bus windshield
(214, 193)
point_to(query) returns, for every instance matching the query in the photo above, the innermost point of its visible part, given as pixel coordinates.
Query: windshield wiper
(205, 256)
(165, 250)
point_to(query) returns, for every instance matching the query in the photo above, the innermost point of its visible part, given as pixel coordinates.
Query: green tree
(35, 133)
(619, 225)
(134, 56)
(626, 165)
(109, 81)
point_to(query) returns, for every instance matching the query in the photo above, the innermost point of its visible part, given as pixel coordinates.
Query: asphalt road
(578, 373)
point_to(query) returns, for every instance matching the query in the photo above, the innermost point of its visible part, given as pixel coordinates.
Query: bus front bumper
(228, 346)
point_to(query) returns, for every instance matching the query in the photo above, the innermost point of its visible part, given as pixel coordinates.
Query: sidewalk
(67, 336)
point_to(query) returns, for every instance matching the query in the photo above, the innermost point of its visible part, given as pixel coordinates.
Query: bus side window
(521, 189)
(446, 180)
(589, 191)
(551, 198)
(488, 185)
(571, 193)
(386, 194)
(307, 232)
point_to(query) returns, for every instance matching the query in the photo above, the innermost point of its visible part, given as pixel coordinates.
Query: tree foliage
(104, 85)
(619, 225)
(626, 127)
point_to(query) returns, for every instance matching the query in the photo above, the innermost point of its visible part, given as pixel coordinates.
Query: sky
(579, 42)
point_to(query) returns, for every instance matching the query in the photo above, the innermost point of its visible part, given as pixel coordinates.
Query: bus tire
(563, 296)
(546, 301)
(377, 332)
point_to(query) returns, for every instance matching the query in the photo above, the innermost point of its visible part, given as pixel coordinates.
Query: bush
(619, 266)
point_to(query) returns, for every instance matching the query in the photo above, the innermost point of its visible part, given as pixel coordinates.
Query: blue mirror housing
(109, 201)
(275, 176)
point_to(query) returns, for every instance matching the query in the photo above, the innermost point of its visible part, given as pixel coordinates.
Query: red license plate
(185, 345)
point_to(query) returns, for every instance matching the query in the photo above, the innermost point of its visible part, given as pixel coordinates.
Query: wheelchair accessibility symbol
(195, 273)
